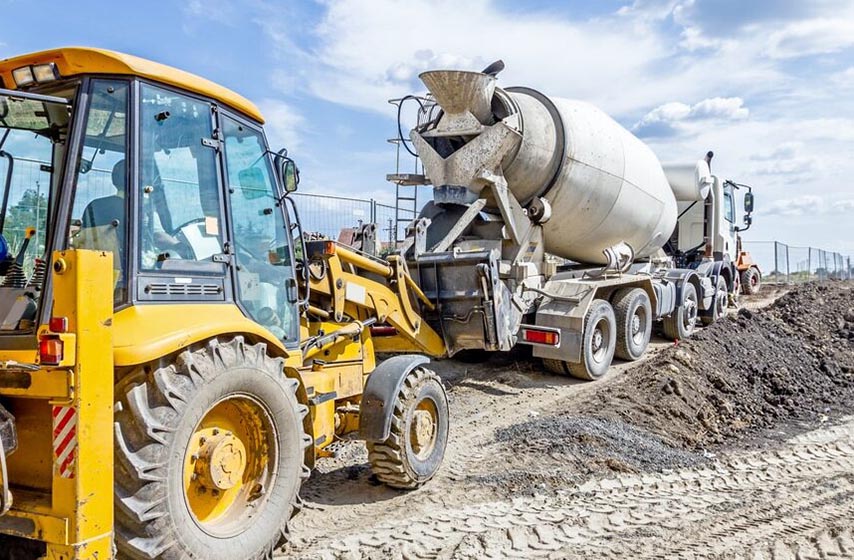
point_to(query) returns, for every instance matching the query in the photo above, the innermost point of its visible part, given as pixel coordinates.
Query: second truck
(553, 226)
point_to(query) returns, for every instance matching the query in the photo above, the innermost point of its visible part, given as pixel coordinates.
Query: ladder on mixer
(406, 184)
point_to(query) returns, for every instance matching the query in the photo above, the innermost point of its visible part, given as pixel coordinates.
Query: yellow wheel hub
(229, 462)
(221, 462)
(422, 431)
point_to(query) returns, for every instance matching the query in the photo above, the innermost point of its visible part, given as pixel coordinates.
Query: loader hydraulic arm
(345, 283)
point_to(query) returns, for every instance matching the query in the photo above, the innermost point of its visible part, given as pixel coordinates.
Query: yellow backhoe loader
(174, 354)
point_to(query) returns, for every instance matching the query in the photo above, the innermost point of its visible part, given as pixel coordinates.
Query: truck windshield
(32, 138)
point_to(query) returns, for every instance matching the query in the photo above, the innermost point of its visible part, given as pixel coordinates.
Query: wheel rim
(423, 428)
(690, 315)
(638, 326)
(599, 340)
(722, 302)
(229, 462)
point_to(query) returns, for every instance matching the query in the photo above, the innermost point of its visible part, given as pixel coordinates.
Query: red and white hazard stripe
(64, 440)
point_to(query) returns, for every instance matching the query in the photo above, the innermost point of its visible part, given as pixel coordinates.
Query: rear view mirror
(252, 183)
(290, 175)
(748, 202)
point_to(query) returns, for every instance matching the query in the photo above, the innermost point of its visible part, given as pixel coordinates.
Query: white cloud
(283, 125)
(786, 159)
(844, 79)
(809, 205)
(815, 36)
(662, 119)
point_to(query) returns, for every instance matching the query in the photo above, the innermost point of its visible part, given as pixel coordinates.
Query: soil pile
(752, 370)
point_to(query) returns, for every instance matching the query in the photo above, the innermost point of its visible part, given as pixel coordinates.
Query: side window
(99, 209)
(180, 209)
(729, 208)
(261, 239)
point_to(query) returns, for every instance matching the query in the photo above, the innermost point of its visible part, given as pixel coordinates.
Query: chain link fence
(329, 214)
(781, 263)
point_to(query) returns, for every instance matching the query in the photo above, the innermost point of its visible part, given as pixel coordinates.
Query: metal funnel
(458, 91)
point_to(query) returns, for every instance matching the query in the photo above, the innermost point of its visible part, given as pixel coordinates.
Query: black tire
(402, 461)
(751, 281)
(633, 312)
(720, 303)
(597, 343)
(160, 411)
(680, 324)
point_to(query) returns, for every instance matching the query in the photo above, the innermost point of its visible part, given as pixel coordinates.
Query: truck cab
(707, 235)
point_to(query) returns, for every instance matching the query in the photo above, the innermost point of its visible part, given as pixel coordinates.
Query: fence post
(809, 263)
(787, 264)
(776, 265)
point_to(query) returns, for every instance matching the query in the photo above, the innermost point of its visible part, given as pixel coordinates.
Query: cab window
(99, 209)
(261, 241)
(729, 207)
(180, 208)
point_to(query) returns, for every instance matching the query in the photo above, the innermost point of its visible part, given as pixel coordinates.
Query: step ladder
(406, 184)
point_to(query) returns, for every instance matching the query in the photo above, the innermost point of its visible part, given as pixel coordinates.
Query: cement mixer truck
(548, 227)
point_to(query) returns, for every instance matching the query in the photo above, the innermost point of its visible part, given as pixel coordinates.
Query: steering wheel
(179, 230)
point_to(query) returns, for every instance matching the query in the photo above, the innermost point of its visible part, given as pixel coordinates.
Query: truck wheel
(209, 455)
(414, 450)
(751, 281)
(680, 324)
(633, 312)
(720, 305)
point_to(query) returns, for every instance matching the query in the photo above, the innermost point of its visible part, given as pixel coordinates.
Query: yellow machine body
(62, 473)
(64, 498)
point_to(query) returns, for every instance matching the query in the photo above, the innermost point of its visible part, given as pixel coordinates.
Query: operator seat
(109, 210)
(102, 227)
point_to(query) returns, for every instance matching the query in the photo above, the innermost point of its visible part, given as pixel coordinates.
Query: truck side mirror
(748, 202)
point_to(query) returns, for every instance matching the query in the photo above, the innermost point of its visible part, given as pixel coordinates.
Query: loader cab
(168, 172)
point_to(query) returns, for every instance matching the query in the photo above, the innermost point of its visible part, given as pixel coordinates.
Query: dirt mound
(751, 371)
(598, 444)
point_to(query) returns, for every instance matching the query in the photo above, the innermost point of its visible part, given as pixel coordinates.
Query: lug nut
(216, 431)
(202, 440)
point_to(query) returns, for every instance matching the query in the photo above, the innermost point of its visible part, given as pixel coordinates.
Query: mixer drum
(607, 187)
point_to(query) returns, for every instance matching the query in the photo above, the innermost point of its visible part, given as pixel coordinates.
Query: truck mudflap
(8, 444)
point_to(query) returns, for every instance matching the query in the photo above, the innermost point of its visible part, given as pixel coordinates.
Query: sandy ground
(506, 490)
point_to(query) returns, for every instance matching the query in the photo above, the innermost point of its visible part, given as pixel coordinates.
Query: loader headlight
(23, 76)
(45, 72)
(36, 74)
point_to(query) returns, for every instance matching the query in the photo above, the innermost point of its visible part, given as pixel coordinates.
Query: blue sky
(767, 84)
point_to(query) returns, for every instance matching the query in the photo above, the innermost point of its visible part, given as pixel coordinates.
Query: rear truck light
(58, 324)
(51, 350)
(543, 336)
(328, 248)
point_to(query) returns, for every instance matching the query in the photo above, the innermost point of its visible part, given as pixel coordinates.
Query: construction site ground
(737, 443)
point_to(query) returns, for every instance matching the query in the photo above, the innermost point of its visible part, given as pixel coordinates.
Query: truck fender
(681, 276)
(381, 389)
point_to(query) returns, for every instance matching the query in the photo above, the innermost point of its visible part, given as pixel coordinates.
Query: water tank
(605, 186)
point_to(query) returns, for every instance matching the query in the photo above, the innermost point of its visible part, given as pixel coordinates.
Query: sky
(768, 85)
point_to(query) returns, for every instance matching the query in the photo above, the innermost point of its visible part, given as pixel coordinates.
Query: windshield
(32, 139)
